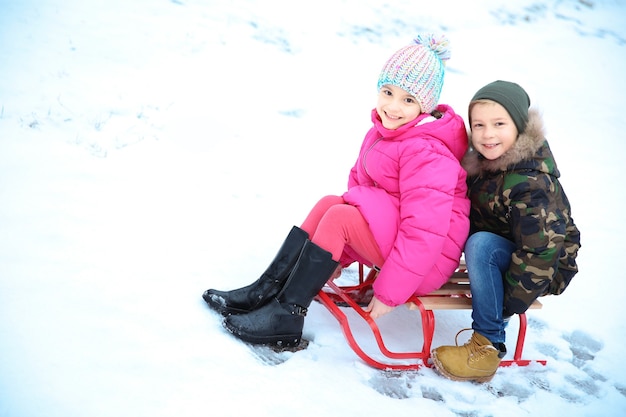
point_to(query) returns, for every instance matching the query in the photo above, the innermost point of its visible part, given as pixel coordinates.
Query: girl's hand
(337, 273)
(377, 308)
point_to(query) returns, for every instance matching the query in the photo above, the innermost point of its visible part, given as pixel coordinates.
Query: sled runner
(454, 295)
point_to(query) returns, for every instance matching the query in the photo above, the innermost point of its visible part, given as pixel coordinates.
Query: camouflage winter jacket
(518, 196)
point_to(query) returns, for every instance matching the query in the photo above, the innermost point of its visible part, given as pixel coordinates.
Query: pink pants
(332, 225)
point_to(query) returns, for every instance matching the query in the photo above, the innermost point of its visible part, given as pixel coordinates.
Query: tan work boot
(477, 360)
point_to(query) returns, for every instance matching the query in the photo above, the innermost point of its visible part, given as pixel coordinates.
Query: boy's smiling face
(396, 107)
(493, 129)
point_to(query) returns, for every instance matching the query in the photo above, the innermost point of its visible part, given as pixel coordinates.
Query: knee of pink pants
(332, 225)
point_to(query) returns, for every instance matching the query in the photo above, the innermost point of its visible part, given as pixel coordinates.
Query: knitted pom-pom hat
(418, 68)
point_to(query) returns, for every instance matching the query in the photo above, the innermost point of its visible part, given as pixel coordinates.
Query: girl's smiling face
(396, 107)
(493, 129)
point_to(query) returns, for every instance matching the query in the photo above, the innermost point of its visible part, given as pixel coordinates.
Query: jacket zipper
(365, 157)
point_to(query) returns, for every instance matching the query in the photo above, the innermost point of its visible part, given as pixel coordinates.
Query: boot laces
(476, 350)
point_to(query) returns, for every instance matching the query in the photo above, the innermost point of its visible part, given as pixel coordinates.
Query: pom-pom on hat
(418, 68)
(510, 96)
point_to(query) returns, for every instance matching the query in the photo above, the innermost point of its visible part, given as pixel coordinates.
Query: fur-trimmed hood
(530, 151)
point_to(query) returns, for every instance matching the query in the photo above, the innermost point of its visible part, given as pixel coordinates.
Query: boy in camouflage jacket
(523, 241)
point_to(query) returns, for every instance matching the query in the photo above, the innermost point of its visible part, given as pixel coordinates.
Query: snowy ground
(152, 149)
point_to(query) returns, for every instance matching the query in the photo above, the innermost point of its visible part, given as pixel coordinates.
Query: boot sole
(280, 341)
(444, 372)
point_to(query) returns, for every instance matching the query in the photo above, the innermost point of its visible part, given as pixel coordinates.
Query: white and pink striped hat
(418, 68)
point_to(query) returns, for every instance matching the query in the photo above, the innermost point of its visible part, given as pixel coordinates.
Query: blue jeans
(488, 257)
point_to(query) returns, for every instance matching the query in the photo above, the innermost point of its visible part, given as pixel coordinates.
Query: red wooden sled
(454, 295)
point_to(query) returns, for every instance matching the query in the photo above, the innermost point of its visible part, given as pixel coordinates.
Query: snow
(150, 150)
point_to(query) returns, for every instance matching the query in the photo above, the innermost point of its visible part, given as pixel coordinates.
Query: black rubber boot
(280, 321)
(264, 289)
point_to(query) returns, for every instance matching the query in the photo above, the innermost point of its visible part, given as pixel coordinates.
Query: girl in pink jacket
(405, 211)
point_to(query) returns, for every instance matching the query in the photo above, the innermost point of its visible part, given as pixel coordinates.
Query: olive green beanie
(510, 96)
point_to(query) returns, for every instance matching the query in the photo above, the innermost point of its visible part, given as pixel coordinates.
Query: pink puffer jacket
(409, 185)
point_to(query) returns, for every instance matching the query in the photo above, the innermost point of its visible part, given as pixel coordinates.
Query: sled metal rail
(454, 295)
